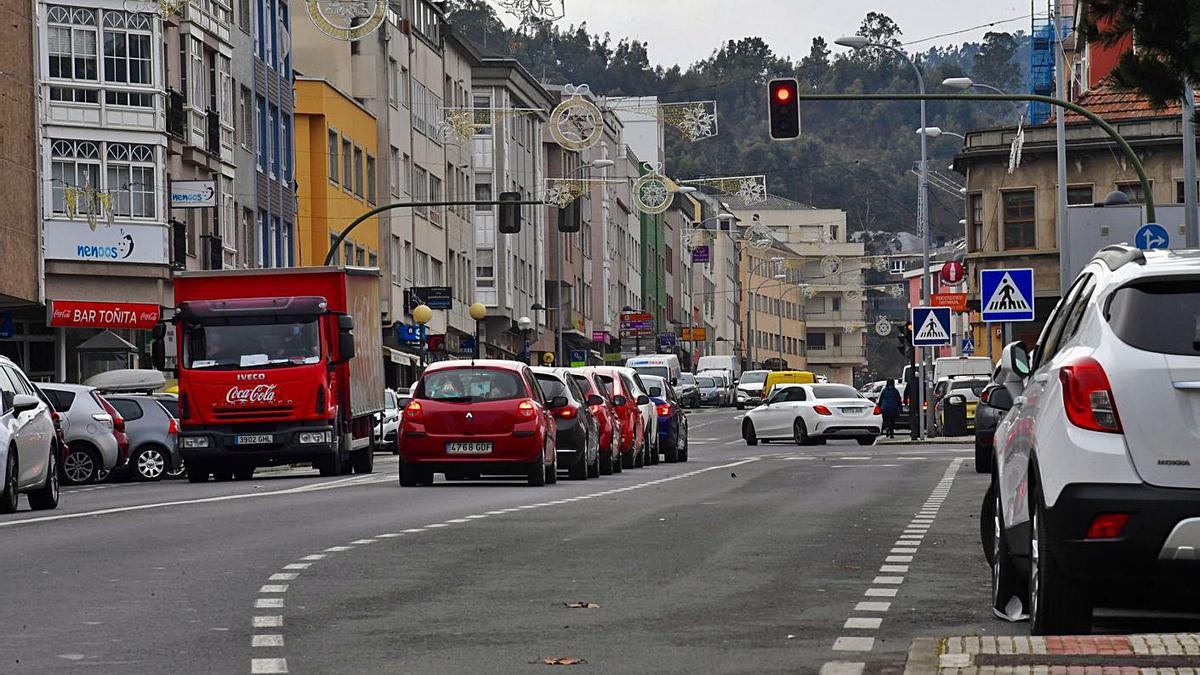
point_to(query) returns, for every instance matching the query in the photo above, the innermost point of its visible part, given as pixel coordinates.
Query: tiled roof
(772, 203)
(1113, 104)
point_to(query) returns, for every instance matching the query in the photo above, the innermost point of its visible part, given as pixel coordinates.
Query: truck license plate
(254, 439)
(469, 448)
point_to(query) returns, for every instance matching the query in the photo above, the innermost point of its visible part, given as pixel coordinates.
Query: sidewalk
(1153, 654)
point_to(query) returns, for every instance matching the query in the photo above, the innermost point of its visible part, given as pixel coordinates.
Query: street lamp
(525, 324)
(860, 42)
(965, 83)
(479, 313)
(422, 314)
(935, 132)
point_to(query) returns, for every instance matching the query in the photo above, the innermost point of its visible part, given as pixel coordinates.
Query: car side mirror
(998, 396)
(643, 400)
(558, 402)
(594, 399)
(957, 399)
(1015, 358)
(24, 403)
(619, 400)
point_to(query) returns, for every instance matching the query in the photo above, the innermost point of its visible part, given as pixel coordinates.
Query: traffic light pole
(341, 236)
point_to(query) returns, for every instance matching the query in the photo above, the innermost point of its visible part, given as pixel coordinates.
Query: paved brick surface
(1154, 654)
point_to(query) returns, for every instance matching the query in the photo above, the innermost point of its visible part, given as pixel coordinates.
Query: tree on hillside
(994, 64)
(1167, 34)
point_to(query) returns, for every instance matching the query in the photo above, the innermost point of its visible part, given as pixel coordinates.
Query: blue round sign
(1152, 236)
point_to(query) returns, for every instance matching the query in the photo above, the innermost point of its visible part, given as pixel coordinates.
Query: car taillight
(1088, 397)
(878, 410)
(822, 410)
(1107, 526)
(526, 410)
(664, 410)
(568, 413)
(412, 412)
(173, 427)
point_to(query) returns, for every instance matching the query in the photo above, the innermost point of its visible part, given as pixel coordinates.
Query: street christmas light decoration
(883, 327)
(696, 120)
(576, 123)
(749, 189)
(854, 295)
(88, 202)
(652, 194)
(348, 20)
(534, 13)
(464, 123)
(163, 8)
(831, 265)
(562, 191)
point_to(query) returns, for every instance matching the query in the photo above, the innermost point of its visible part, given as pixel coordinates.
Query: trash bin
(954, 413)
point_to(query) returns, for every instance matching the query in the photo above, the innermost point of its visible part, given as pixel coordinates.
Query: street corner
(1157, 654)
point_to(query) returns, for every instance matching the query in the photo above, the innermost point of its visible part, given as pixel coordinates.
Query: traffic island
(1159, 654)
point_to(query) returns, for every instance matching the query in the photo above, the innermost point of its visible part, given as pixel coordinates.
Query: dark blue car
(672, 421)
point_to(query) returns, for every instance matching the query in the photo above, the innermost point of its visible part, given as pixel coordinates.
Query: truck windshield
(252, 345)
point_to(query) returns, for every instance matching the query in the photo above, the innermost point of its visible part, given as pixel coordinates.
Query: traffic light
(783, 107)
(510, 213)
(569, 217)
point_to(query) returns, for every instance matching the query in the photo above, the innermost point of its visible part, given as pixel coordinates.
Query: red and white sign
(955, 301)
(261, 393)
(953, 273)
(80, 314)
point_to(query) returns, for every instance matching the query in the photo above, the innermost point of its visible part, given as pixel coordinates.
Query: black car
(689, 393)
(986, 419)
(578, 441)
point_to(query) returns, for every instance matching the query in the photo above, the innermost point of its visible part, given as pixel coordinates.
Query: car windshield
(706, 382)
(687, 378)
(657, 371)
(466, 385)
(834, 391)
(251, 345)
(753, 377)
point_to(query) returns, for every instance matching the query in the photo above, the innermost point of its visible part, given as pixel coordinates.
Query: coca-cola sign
(261, 393)
(76, 314)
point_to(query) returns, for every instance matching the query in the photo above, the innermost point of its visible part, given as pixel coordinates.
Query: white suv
(1096, 485)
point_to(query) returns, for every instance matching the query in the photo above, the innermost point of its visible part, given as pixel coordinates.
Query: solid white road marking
(258, 666)
(864, 623)
(338, 549)
(269, 640)
(853, 644)
(363, 541)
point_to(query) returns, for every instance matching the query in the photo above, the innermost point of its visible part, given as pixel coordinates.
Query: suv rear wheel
(1056, 606)
(150, 463)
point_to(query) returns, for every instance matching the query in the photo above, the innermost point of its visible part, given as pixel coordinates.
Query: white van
(730, 364)
(665, 366)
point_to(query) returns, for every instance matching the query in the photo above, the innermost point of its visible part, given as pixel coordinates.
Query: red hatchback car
(605, 414)
(633, 427)
(473, 418)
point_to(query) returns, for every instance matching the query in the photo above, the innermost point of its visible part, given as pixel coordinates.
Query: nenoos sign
(81, 314)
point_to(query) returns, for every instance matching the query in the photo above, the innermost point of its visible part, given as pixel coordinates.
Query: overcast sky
(685, 31)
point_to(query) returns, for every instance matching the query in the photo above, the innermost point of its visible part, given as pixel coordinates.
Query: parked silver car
(152, 432)
(92, 446)
(28, 443)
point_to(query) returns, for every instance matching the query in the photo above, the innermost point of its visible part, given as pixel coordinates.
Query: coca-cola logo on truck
(261, 393)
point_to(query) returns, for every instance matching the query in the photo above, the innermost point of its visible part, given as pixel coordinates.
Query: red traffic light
(783, 108)
(783, 93)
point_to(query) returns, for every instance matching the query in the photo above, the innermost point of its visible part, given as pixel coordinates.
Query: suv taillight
(173, 427)
(1087, 396)
(526, 410)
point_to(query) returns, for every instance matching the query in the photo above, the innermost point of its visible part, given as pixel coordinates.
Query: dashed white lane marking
(275, 640)
(887, 585)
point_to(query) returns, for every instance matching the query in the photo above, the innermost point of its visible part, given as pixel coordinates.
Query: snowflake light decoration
(90, 203)
(808, 292)
(697, 120)
(853, 295)
(458, 124)
(879, 264)
(164, 8)
(576, 123)
(849, 327)
(883, 327)
(1018, 145)
(651, 193)
(561, 192)
(749, 189)
(752, 190)
(534, 13)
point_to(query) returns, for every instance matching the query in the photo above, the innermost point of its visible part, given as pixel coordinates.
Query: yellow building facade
(336, 174)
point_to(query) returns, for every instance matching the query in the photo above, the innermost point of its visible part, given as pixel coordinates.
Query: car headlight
(314, 437)
(195, 441)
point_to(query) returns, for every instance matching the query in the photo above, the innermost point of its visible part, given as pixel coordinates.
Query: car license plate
(254, 439)
(853, 411)
(469, 448)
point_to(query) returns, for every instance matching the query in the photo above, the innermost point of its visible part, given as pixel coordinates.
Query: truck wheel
(222, 474)
(330, 466)
(363, 460)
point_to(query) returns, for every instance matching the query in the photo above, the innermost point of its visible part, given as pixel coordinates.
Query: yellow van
(787, 377)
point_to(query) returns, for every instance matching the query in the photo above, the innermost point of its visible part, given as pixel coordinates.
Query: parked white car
(1096, 476)
(810, 414)
(388, 426)
(649, 414)
(29, 449)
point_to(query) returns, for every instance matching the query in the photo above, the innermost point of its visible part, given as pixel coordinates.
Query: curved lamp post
(422, 314)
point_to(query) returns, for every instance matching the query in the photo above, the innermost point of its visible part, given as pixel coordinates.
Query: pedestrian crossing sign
(931, 326)
(1007, 295)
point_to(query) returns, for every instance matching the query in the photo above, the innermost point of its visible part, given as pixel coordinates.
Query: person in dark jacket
(889, 407)
(914, 414)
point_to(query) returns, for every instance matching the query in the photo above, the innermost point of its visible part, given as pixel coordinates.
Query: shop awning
(402, 358)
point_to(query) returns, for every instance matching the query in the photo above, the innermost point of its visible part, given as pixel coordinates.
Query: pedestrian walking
(889, 407)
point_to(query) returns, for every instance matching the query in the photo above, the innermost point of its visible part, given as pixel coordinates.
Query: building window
(397, 262)
(1134, 190)
(394, 171)
(816, 341)
(247, 118)
(358, 171)
(244, 15)
(273, 125)
(333, 246)
(260, 111)
(360, 256)
(1020, 227)
(372, 259)
(347, 164)
(485, 267)
(1079, 194)
(131, 172)
(71, 43)
(73, 164)
(975, 208)
(1179, 191)
(333, 156)
(421, 190)
(348, 252)
(435, 195)
(267, 241)
(286, 133)
(127, 52)
(370, 180)
(406, 169)
(393, 82)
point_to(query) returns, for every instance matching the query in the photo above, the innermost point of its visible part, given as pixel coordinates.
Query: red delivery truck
(276, 366)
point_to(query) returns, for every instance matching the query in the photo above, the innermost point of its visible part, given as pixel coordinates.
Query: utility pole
(1060, 136)
(1192, 229)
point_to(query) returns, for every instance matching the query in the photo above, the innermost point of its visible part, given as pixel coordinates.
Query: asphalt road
(741, 560)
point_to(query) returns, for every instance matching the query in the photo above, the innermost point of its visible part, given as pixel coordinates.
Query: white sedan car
(812, 413)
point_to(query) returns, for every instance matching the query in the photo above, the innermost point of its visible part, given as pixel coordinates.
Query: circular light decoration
(831, 265)
(808, 292)
(897, 291)
(853, 296)
(576, 123)
(849, 327)
(348, 20)
(883, 327)
(651, 193)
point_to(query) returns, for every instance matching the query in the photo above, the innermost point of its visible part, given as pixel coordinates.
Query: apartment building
(510, 271)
